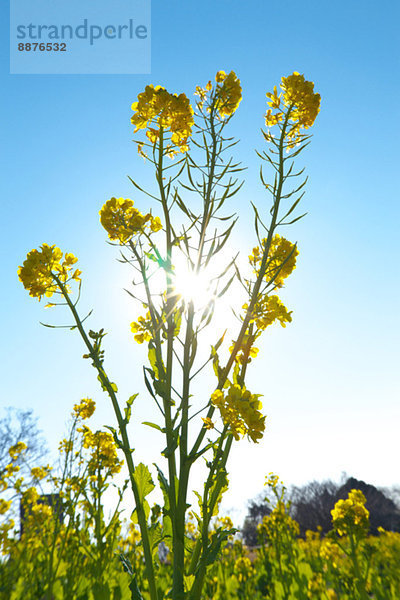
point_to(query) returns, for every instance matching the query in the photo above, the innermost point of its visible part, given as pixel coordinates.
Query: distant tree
(311, 506)
(256, 511)
(21, 426)
(383, 512)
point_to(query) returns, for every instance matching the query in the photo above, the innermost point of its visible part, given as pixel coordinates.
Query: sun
(204, 288)
(197, 287)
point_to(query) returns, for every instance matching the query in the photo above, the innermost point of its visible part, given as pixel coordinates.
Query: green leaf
(167, 523)
(146, 509)
(155, 537)
(136, 595)
(101, 591)
(235, 373)
(168, 451)
(154, 425)
(200, 500)
(177, 321)
(221, 339)
(123, 591)
(103, 387)
(220, 536)
(143, 479)
(153, 359)
(117, 440)
(128, 409)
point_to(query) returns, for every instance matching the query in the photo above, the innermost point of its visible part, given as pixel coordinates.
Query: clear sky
(330, 379)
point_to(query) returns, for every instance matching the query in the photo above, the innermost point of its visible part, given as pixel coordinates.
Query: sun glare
(203, 288)
(196, 287)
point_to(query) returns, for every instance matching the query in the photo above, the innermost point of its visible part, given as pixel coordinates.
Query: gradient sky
(330, 380)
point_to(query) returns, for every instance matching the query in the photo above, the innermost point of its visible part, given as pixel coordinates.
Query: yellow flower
(299, 98)
(155, 224)
(277, 521)
(122, 220)
(240, 410)
(103, 451)
(240, 356)
(4, 506)
(330, 552)
(10, 470)
(350, 515)
(167, 111)
(281, 259)
(316, 586)
(228, 93)
(142, 329)
(41, 267)
(243, 568)
(268, 310)
(275, 99)
(272, 481)
(217, 398)
(85, 408)
(208, 424)
(40, 514)
(15, 451)
(30, 496)
(65, 446)
(40, 472)
(299, 93)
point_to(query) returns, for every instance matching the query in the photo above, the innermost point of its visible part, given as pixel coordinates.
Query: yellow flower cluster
(228, 93)
(316, 586)
(85, 408)
(8, 472)
(122, 221)
(267, 310)
(208, 424)
(65, 446)
(40, 473)
(30, 496)
(15, 451)
(300, 93)
(226, 96)
(350, 515)
(272, 481)
(281, 259)
(240, 356)
(240, 410)
(278, 520)
(103, 451)
(142, 329)
(297, 96)
(4, 506)
(168, 111)
(243, 568)
(330, 552)
(39, 515)
(40, 268)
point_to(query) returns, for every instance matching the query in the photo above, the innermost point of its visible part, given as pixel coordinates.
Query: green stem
(106, 384)
(208, 509)
(354, 558)
(257, 285)
(185, 464)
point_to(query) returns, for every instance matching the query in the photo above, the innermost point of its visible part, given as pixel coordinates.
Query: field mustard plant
(187, 148)
(350, 518)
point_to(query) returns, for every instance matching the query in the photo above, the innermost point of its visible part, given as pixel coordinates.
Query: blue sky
(329, 380)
